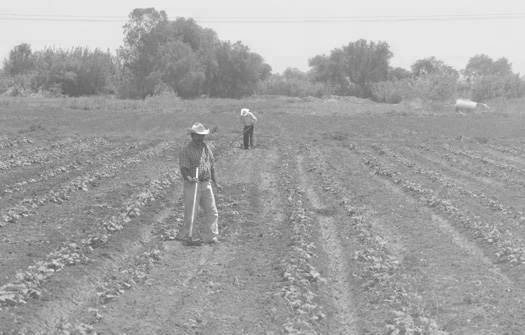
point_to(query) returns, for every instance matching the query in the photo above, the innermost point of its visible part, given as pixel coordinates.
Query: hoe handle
(194, 203)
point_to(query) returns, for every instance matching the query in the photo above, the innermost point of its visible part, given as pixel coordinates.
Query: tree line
(362, 69)
(179, 56)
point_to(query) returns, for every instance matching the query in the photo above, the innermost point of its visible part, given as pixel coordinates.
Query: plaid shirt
(194, 156)
(248, 120)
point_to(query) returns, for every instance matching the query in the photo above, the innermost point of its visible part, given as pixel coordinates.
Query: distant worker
(248, 120)
(197, 154)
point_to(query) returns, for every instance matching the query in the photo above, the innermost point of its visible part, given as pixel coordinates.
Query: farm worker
(248, 120)
(197, 154)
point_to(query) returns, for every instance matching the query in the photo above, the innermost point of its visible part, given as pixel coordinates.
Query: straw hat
(244, 111)
(198, 128)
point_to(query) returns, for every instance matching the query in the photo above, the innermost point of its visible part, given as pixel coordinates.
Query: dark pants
(248, 137)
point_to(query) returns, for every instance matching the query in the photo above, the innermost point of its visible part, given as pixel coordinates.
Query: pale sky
(414, 29)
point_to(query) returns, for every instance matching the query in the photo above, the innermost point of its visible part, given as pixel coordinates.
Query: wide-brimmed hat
(244, 111)
(198, 128)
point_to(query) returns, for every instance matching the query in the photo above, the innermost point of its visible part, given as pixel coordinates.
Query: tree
(292, 82)
(486, 79)
(431, 65)
(142, 22)
(74, 72)
(294, 74)
(483, 65)
(140, 54)
(397, 73)
(328, 70)
(186, 57)
(239, 71)
(181, 69)
(20, 60)
(353, 68)
(366, 62)
(204, 43)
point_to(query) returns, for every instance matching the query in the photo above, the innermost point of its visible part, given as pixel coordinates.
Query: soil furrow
(465, 196)
(40, 180)
(495, 237)
(83, 182)
(28, 282)
(224, 289)
(73, 290)
(438, 265)
(338, 276)
(34, 237)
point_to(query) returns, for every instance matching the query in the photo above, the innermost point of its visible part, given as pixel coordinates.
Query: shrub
(433, 87)
(18, 85)
(4, 82)
(436, 87)
(391, 91)
(20, 60)
(293, 87)
(494, 86)
(74, 72)
(77, 72)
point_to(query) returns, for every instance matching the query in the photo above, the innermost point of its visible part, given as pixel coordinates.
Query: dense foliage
(181, 57)
(184, 57)
(293, 83)
(74, 72)
(157, 55)
(489, 79)
(352, 69)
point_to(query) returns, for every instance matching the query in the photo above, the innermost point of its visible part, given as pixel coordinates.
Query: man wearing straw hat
(196, 156)
(248, 120)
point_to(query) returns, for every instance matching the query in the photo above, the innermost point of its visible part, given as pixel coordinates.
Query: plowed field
(347, 218)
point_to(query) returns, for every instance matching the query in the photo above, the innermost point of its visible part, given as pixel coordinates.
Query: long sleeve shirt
(248, 119)
(194, 156)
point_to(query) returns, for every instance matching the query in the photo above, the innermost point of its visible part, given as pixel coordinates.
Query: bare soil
(348, 217)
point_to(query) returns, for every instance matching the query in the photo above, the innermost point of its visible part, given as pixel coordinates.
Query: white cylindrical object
(466, 104)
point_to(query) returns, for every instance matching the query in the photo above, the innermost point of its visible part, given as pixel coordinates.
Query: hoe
(237, 138)
(191, 241)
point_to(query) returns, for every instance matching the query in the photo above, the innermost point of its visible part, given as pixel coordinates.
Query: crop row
(507, 249)
(6, 142)
(40, 155)
(517, 216)
(34, 148)
(112, 286)
(506, 149)
(380, 272)
(486, 161)
(28, 282)
(52, 172)
(27, 206)
(484, 168)
(300, 276)
(513, 148)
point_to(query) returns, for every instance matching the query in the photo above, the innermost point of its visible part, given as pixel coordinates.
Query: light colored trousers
(208, 227)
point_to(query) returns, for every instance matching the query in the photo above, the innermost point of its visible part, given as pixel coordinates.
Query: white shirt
(248, 119)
